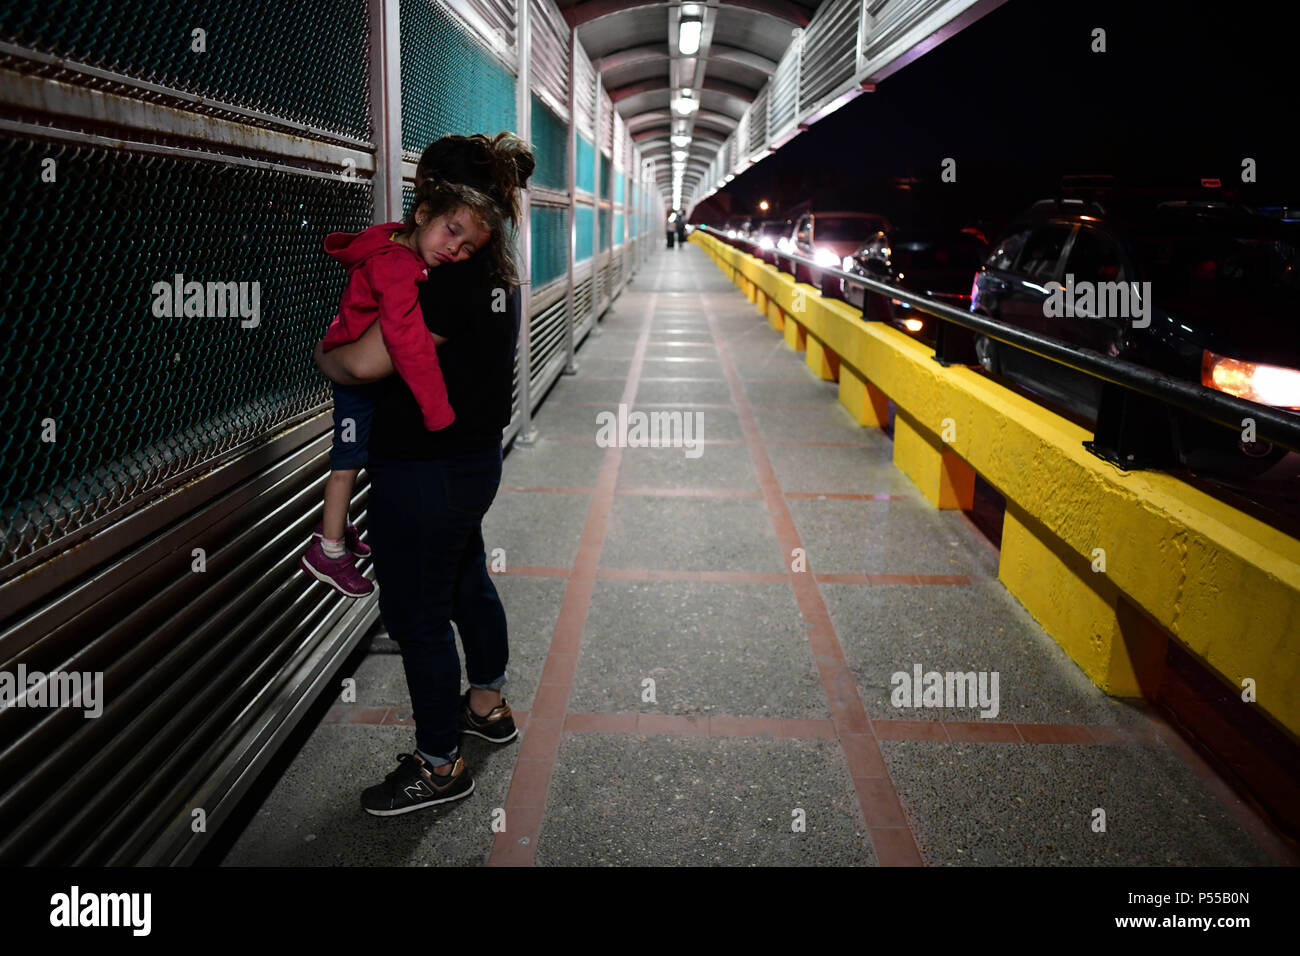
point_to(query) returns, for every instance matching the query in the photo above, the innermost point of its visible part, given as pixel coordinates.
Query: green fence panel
(451, 84)
(586, 159)
(304, 60)
(586, 223)
(107, 390)
(550, 137)
(550, 236)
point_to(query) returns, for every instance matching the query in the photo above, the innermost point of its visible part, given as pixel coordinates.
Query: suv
(827, 237)
(1202, 291)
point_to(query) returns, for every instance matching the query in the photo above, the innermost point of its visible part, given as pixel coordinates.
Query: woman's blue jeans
(426, 531)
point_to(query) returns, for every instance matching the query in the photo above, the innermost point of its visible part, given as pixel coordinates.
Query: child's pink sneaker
(351, 540)
(339, 573)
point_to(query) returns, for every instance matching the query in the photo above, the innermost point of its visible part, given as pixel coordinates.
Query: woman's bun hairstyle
(497, 168)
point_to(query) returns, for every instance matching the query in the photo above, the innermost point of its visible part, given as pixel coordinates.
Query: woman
(430, 490)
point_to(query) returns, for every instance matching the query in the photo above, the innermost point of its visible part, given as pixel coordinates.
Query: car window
(1042, 251)
(1206, 272)
(1095, 257)
(844, 228)
(805, 226)
(1005, 252)
(959, 253)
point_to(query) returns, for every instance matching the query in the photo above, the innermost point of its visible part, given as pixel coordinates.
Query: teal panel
(605, 215)
(618, 227)
(550, 137)
(451, 85)
(586, 222)
(550, 238)
(619, 180)
(586, 160)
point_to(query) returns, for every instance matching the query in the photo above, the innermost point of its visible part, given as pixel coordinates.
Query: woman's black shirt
(480, 319)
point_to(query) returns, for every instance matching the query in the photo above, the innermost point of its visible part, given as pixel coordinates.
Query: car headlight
(765, 242)
(1267, 384)
(826, 258)
(847, 264)
(783, 245)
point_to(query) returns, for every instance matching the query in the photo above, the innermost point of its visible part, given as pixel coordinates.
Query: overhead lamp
(688, 36)
(681, 140)
(685, 104)
(680, 154)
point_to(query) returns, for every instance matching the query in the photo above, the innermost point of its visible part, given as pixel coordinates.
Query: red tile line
(887, 826)
(529, 783)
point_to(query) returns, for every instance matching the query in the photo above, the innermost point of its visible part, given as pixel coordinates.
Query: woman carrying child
(429, 490)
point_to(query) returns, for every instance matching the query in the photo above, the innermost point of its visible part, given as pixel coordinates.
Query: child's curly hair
(495, 168)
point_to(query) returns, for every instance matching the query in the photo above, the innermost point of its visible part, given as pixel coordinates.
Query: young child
(447, 223)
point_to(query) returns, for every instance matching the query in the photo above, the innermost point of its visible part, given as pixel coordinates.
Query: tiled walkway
(767, 735)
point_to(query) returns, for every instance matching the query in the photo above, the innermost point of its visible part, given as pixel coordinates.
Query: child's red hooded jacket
(382, 277)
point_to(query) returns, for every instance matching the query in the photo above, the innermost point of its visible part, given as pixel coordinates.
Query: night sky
(1184, 90)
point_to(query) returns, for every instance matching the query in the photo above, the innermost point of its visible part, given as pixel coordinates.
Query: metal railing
(1120, 421)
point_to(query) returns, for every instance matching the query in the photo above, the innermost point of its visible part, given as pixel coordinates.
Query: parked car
(937, 264)
(738, 227)
(827, 237)
(1222, 308)
(767, 234)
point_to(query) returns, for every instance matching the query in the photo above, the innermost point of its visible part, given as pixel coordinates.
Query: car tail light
(1267, 384)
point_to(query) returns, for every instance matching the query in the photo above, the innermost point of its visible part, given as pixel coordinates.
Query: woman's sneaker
(339, 573)
(498, 726)
(414, 785)
(351, 539)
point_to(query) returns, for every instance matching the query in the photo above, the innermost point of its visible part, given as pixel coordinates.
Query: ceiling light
(680, 154)
(684, 104)
(688, 37)
(682, 141)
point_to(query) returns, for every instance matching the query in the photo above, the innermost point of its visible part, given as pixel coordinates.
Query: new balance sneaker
(351, 540)
(414, 785)
(339, 573)
(498, 726)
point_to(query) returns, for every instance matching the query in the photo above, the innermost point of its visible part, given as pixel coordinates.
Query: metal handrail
(1271, 424)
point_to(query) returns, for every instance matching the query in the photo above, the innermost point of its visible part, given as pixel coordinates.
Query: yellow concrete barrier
(1087, 549)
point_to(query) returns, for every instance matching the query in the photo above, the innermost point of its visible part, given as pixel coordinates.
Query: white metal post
(596, 304)
(386, 107)
(527, 434)
(570, 309)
